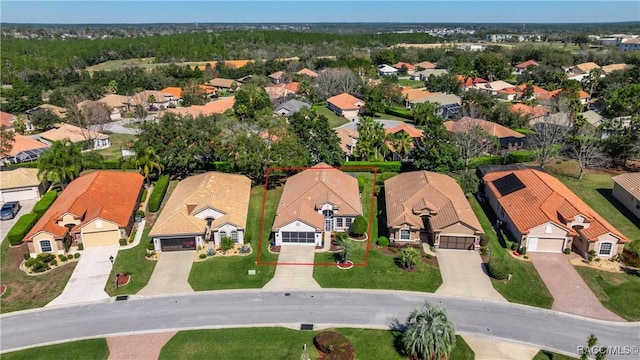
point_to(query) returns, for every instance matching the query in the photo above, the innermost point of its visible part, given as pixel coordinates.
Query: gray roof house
(449, 104)
(290, 107)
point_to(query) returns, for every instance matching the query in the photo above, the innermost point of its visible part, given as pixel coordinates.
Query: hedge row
(44, 203)
(21, 228)
(158, 193)
(370, 166)
(520, 156)
(403, 113)
(105, 164)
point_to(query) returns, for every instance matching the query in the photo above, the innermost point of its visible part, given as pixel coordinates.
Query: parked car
(9, 210)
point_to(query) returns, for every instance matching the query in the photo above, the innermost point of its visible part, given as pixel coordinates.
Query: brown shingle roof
(613, 67)
(222, 83)
(20, 177)
(629, 182)
(422, 192)
(108, 195)
(588, 66)
(490, 127)
(6, 119)
(226, 193)
(426, 65)
(543, 199)
(346, 101)
(307, 72)
(346, 139)
(305, 192)
(71, 132)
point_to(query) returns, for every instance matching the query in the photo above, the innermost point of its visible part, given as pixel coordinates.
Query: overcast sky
(238, 11)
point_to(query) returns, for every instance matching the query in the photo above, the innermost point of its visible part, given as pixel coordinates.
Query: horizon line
(325, 22)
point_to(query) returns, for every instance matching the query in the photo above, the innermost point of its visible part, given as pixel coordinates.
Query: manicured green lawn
(231, 272)
(526, 287)
(550, 355)
(118, 142)
(93, 349)
(135, 262)
(334, 120)
(617, 292)
(281, 343)
(390, 117)
(411, 83)
(28, 292)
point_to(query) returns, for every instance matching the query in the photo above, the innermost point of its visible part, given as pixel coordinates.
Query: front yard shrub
(631, 254)
(226, 243)
(210, 252)
(334, 345)
(76, 255)
(428, 256)
(53, 262)
(484, 251)
(150, 246)
(21, 228)
(46, 257)
(523, 250)
(591, 256)
(567, 251)
(80, 246)
(361, 181)
(202, 256)
(44, 203)
(26, 256)
(520, 156)
(498, 268)
(408, 258)
(403, 113)
(158, 193)
(469, 182)
(62, 258)
(140, 213)
(123, 242)
(368, 166)
(484, 240)
(223, 166)
(514, 246)
(245, 249)
(359, 226)
(383, 241)
(39, 266)
(143, 195)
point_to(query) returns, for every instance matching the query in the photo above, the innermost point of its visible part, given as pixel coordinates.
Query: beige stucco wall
(626, 199)
(394, 234)
(57, 247)
(540, 231)
(457, 229)
(92, 235)
(615, 249)
(68, 219)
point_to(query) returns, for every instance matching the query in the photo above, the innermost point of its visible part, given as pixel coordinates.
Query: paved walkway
(137, 347)
(570, 293)
(89, 277)
(171, 274)
(490, 348)
(463, 275)
(289, 275)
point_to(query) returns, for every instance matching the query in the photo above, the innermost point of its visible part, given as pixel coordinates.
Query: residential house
(509, 140)
(277, 93)
(410, 68)
(290, 107)
(423, 75)
(346, 105)
(583, 68)
(56, 110)
(583, 96)
(468, 82)
(219, 106)
(308, 72)
(411, 94)
(93, 140)
(520, 68)
(449, 105)
(518, 92)
(492, 87)
(152, 99)
(6, 120)
(93, 210)
(628, 44)
(608, 69)
(118, 104)
(626, 188)
(429, 207)
(592, 118)
(387, 70)
(245, 79)
(348, 139)
(223, 84)
(424, 65)
(277, 77)
(314, 203)
(24, 149)
(532, 113)
(174, 91)
(203, 207)
(21, 184)
(543, 215)
(416, 135)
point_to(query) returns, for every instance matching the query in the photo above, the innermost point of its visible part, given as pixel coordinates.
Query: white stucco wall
(298, 226)
(228, 228)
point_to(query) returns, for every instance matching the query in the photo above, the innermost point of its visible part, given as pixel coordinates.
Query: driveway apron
(463, 275)
(570, 293)
(171, 274)
(289, 275)
(89, 277)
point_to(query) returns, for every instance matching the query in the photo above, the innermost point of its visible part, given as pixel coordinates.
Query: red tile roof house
(520, 68)
(543, 215)
(95, 209)
(410, 68)
(314, 203)
(415, 134)
(6, 120)
(346, 105)
(429, 207)
(468, 83)
(509, 139)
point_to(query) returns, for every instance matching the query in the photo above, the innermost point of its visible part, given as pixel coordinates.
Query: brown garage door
(550, 245)
(456, 242)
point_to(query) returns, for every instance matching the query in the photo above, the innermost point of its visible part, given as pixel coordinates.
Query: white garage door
(19, 194)
(545, 245)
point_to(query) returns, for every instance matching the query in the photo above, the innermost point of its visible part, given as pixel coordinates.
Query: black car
(9, 210)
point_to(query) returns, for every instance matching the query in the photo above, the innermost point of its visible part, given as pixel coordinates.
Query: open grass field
(281, 343)
(416, 84)
(334, 120)
(28, 292)
(526, 287)
(617, 292)
(118, 142)
(94, 349)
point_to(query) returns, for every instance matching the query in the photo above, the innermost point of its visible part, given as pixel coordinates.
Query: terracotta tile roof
(629, 182)
(307, 72)
(607, 69)
(20, 177)
(409, 129)
(346, 139)
(588, 66)
(533, 111)
(544, 199)
(56, 110)
(215, 107)
(292, 86)
(176, 92)
(526, 64)
(490, 127)
(414, 94)
(346, 101)
(305, 192)
(73, 133)
(6, 119)
(225, 193)
(553, 93)
(426, 65)
(399, 66)
(23, 143)
(410, 194)
(469, 81)
(108, 195)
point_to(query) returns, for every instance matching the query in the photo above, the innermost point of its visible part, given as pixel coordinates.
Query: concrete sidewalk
(463, 275)
(489, 348)
(89, 277)
(289, 275)
(171, 274)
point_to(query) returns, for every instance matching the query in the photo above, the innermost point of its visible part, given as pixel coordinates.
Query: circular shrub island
(345, 265)
(334, 346)
(123, 279)
(3, 288)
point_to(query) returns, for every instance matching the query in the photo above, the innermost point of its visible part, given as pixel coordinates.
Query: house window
(223, 234)
(605, 248)
(548, 229)
(348, 222)
(45, 246)
(339, 222)
(405, 234)
(234, 236)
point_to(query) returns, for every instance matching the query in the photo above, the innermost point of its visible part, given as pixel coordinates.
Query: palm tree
(147, 160)
(402, 143)
(62, 162)
(409, 257)
(370, 138)
(592, 340)
(347, 246)
(429, 333)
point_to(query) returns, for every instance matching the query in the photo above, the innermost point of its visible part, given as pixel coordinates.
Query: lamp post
(111, 259)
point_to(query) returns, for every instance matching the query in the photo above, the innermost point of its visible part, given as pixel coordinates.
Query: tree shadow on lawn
(608, 194)
(491, 215)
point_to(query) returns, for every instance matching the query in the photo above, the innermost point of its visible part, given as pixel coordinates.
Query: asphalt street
(331, 307)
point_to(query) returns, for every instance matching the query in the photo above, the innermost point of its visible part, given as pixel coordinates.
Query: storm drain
(306, 326)
(122, 297)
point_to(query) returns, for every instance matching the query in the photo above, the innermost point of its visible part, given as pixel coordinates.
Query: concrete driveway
(463, 275)
(570, 293)
(171, 274)
(89, 277)
(289, 275)
(6, 225)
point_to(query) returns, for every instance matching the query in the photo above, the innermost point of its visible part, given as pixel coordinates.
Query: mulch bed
(3, 288)
(123, 279)
(274, 249)
(335, 248)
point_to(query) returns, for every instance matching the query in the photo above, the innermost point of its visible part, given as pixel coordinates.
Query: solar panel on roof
(508, 184)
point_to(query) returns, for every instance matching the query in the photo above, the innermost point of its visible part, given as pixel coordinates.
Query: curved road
(330, 307)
